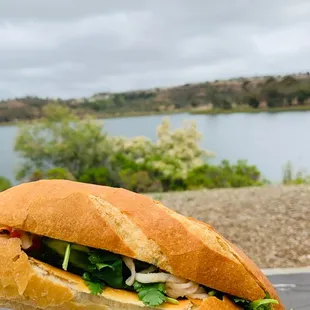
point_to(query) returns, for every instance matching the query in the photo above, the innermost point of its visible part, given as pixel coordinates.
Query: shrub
(4, 184)
(100, 176)
(140, 181)
(224, 175)
(64, 147)
(290, 177)
(59, 173)
(54, 173)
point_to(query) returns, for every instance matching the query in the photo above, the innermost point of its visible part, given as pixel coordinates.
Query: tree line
(267, 92)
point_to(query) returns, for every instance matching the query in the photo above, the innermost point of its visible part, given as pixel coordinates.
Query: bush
(54, 173)
(224, 175)
(100, 176)
(59, 173)
(290, 177)
(65, 147)
(140, 181)
(4, 184)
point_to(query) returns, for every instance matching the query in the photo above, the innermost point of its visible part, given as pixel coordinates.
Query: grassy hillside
(241, 94)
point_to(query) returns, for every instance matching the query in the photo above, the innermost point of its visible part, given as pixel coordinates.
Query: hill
(255, 93)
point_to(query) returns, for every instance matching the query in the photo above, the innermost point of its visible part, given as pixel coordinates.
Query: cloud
(73, 48)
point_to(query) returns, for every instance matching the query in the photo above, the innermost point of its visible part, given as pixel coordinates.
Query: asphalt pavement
(293, 289)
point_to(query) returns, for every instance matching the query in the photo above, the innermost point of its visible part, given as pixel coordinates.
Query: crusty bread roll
(122, 222)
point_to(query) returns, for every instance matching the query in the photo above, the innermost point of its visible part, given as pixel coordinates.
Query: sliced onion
(149, 270)
(201, 290)
(158, 277)
(176, 290)
(26, 241)
(180, 286)
(185, 291)
(131, 266)
(152, 277)
(198, 296)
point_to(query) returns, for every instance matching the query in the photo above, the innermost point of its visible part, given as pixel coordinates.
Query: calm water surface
(267, 140)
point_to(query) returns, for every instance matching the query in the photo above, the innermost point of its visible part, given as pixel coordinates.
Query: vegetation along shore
(247, 95)
(61, 145)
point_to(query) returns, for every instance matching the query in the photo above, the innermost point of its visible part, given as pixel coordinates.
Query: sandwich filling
(100, 268)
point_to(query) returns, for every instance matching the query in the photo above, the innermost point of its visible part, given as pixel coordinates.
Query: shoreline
(173, 112)
(252, 110)
(99, 116)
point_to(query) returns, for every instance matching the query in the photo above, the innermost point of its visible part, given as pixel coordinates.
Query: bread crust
(136, 226)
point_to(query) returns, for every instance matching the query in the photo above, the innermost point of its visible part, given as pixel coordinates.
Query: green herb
(103, 265)
(261, 304)
(240, 300)
(95, 287)
(66, 258)
(152, 294)
(113, 276)
(212, 293)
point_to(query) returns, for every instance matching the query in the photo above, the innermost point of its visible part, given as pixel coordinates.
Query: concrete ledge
(283, 271)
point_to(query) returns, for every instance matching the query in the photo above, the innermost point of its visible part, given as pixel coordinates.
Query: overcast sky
(77, 48)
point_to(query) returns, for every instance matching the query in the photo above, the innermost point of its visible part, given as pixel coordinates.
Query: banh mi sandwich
(69, 245)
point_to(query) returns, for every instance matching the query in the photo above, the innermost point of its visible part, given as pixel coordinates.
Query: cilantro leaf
(95, 286)
(152, 294)
(112, 276)
(152, 297)
(102, 265)
(137, 286)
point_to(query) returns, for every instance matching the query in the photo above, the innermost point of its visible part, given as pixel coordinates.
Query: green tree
(100, 176)
(253, 102)
(4, 184)
(275, 98)
(61, 140)
(59, 173)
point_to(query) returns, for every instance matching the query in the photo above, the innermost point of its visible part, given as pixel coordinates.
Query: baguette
(125, 223)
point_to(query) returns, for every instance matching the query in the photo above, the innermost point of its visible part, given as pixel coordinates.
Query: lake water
(267, 140)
